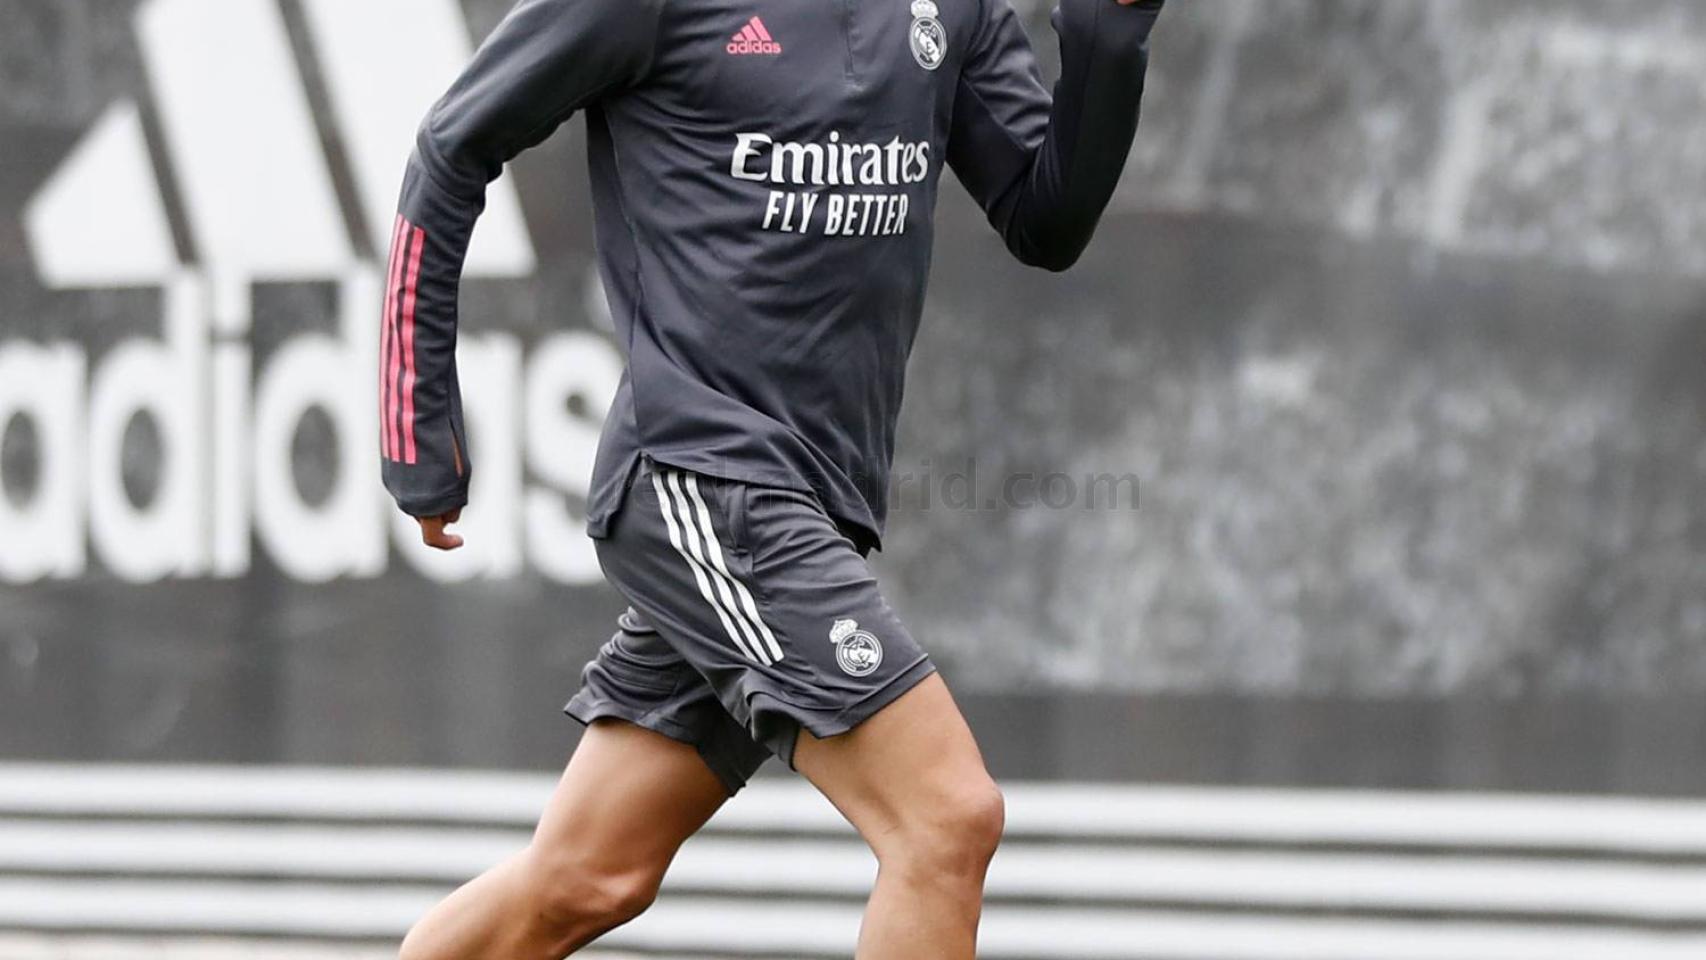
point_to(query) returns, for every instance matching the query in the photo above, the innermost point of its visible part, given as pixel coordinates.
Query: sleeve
(547, 59)
(1044, 169)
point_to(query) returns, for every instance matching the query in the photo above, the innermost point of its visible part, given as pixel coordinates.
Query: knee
(979, 818)
(955, 836)
(574, 897)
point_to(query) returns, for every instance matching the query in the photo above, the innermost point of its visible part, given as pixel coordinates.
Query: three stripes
(692, 535)
(397, 344)
(754, 32)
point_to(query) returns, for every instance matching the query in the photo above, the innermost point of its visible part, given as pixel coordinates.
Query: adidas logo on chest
(754, 40)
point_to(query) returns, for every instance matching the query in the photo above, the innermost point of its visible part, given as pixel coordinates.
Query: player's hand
(434, 535)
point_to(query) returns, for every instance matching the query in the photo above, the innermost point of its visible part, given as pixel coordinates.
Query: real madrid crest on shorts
(928, 37)
(857, 651)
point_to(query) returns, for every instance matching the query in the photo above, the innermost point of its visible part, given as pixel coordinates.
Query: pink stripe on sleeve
(388, 344)
(409, 346)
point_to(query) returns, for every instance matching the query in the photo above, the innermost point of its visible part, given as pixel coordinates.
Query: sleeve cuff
(434, 506)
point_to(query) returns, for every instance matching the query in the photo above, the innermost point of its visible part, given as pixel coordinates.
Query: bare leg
(627, 802)
(912, 781)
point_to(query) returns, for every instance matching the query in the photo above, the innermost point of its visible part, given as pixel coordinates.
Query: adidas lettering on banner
(754, 39)
(227, 410)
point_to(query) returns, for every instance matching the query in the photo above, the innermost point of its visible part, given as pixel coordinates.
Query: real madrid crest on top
(928, 37)
(857, 652)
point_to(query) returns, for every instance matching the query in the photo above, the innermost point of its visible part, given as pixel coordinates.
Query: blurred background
(1395, 332)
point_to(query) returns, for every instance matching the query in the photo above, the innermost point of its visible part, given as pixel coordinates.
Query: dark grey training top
(764, 175)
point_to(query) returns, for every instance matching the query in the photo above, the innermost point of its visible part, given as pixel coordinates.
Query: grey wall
(1398, 322)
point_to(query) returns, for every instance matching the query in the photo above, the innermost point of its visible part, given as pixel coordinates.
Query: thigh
(628, 800)
(913, 761)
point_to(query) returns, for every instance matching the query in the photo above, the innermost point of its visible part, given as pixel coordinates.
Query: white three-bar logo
(238, 128)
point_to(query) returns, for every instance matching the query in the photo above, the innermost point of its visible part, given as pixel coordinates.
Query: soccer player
(764, 175)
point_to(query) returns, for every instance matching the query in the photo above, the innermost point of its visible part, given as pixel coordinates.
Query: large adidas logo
(754, 39)
(262, 181)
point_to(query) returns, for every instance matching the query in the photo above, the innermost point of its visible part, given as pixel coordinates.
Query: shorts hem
(852, 716)
(585, 710)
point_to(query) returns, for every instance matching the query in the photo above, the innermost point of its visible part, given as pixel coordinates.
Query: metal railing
(1135, 873)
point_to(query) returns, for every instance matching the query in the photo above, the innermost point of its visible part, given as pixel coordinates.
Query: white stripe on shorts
(711, 559)
(715, 549)
(698, 569)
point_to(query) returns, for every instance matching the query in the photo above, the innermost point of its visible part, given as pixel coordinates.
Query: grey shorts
(753, 617)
